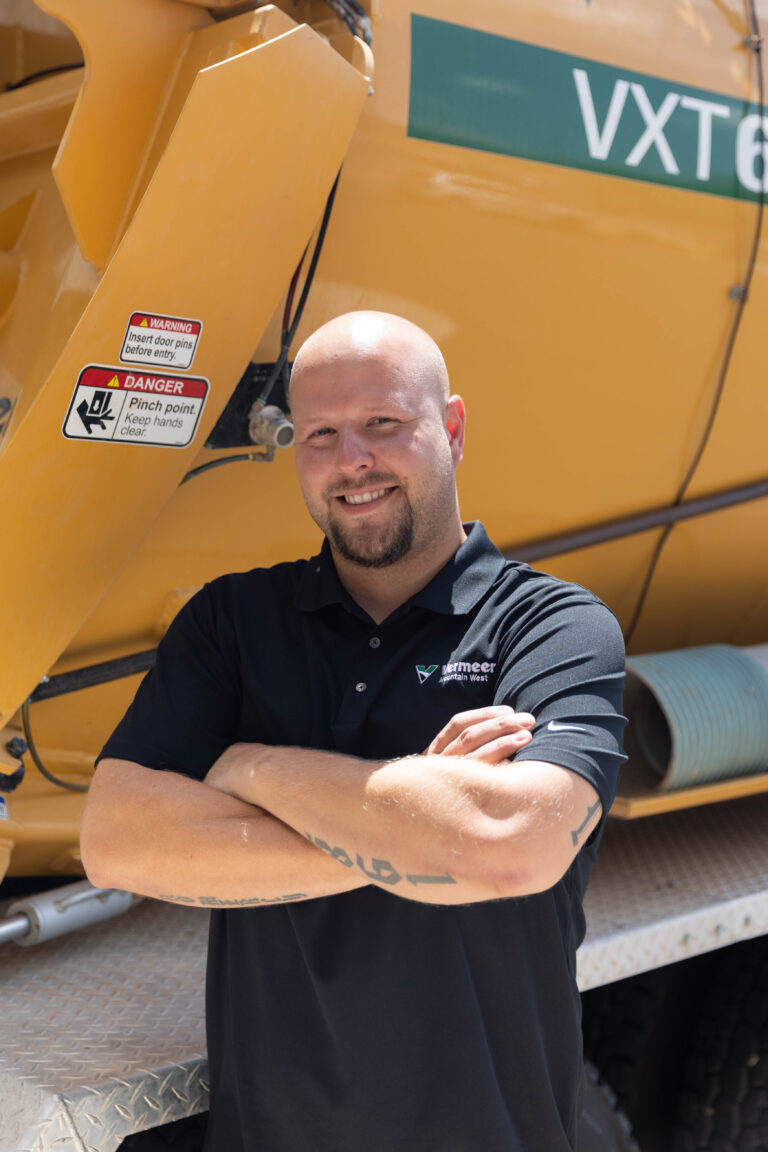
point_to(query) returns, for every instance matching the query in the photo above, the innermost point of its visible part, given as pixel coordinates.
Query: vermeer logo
(476, 670)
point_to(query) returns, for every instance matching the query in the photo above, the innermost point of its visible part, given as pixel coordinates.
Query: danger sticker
(162, 341)
(112, 404)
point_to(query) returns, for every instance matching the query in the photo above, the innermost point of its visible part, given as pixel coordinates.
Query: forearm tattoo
(246, 902)
(380, 871)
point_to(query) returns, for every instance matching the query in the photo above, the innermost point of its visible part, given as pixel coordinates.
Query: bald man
(386, 770)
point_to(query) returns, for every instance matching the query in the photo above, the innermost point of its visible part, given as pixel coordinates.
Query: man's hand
(491, 735)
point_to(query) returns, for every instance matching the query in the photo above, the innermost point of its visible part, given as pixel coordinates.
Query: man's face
(376, 452)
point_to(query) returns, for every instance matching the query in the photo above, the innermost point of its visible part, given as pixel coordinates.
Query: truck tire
(723, 1105)
(603, 1127)
(618, 1024)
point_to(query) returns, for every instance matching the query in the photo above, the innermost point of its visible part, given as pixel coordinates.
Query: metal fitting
(268, 425)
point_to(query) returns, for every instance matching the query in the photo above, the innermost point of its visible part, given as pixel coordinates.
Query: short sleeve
(565, 665)
(186, 710)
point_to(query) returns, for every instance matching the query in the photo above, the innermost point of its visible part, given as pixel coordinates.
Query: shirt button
(374, 642)
(361, 687)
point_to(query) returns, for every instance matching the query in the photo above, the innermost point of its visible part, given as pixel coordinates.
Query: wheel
(723, 1105)
(636, 1031)
(603, 1127)
(619, 1027)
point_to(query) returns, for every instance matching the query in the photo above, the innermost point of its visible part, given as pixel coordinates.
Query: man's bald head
(378, 441)
(359, 336)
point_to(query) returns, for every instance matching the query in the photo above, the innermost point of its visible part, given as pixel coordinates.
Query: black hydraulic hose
(36, 758)
(219, 463)
(42, 75)
(291, 330)
(288, 333)
(354, 16)
(75, 681)
(753, 43)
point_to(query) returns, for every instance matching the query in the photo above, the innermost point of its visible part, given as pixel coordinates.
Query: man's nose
(352, 452)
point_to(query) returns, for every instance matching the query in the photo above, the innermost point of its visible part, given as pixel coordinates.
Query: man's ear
(455, 426)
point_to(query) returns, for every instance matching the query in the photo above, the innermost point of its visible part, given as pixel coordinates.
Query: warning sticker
(112, 404)
(165, 341)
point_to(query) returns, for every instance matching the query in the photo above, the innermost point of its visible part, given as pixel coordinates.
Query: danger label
(163, 341)
(112, 404)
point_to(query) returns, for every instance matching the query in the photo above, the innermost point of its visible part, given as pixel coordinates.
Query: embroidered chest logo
(478, 671)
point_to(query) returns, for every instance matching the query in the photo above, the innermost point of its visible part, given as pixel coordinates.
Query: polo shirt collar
(466, 577)
(454, 591)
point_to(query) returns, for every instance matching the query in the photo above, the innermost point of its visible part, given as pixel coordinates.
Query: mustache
(372, 480)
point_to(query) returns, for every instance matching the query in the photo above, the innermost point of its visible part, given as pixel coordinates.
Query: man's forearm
(176, 839)
(431, 828)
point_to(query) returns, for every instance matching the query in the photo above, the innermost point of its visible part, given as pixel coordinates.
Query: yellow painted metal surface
(43, 827)
(631, 804)
(85, 529)
(585, 316)
(128, 72)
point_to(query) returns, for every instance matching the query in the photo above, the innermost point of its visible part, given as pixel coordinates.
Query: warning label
(165, 341)
(112, 404)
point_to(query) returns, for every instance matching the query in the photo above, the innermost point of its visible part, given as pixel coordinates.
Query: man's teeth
(364, 497)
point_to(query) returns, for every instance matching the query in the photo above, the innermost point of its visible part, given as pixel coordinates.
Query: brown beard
(390, 550)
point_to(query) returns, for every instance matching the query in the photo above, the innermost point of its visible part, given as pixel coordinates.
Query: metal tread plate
(103, 1031)
(673, 886)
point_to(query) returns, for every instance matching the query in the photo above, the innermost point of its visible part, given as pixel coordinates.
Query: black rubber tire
(618, 1025)
(603, 1127)
(723, 1104)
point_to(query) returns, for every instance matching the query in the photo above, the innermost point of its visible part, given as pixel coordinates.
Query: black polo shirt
(365, 1022)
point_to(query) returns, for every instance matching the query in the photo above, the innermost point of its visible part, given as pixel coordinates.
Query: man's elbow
(509, 865)
(529, 830)
(95, 856)
(100, 877)
(103, 851)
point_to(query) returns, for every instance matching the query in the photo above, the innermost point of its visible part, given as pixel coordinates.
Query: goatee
(390, 547)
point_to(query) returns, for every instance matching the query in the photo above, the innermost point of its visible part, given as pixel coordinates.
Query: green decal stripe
(486, 92)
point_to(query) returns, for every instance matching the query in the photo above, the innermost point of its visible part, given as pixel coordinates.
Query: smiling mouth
(364, 497)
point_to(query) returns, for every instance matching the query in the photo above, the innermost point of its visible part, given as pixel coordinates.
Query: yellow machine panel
(568, 197)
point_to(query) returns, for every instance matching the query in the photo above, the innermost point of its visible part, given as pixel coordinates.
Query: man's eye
(319, 433)
(381, 421)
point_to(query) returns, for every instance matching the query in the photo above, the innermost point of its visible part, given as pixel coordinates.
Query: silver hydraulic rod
(46, 915)
(12, 928)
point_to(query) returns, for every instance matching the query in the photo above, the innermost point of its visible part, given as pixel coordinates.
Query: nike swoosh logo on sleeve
(553, 726)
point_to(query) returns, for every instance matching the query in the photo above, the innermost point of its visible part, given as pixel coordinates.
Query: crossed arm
(459, 823)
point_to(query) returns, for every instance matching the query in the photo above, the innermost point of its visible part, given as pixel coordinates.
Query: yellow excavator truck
(569, 196)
